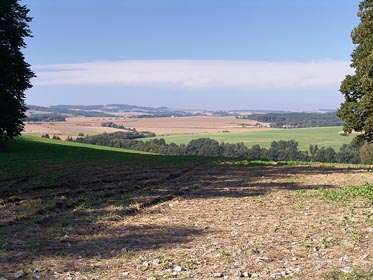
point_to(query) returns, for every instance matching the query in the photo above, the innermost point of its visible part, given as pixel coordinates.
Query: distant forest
(68, 110)
(45, 118)
(291, 119)
(279, 150)
(109, 139)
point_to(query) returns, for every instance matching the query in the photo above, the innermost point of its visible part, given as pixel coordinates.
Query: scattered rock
(218, 275)
(2, 278)
(151, 278)
(177, 268)
(36, 270)
(242, 274)
(238, 273)
(246, 274)
(19, 274)
(145, 263)
(20, 253)
(276, 275)
(289, 272)
(346, 269)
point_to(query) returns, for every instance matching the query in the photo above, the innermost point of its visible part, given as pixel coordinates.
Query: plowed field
(196, 220)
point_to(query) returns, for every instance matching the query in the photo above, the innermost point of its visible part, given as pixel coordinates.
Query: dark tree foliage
(349, 153)
(15, 72)
(285, 150)
(293, 119)
(113, 125)
(109, 139)
(366, 153)
(204, 147)
(279, 150)
(324, 155)
(237, 150)
(357, 108)
(45, 118)
(255, 152)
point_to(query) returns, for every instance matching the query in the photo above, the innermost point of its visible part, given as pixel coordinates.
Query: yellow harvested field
(160, 126)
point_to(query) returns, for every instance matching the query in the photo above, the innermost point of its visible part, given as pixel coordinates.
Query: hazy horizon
(193, 109)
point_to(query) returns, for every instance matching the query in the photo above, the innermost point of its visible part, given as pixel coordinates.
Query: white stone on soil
(19, 274)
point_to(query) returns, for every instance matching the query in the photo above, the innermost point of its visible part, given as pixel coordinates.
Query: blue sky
(203, 54)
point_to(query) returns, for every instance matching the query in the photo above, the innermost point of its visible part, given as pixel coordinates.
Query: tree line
(355, 152)
(45, 118)
(113, 125)
(133, 129)
(293, 119)
(108, 139)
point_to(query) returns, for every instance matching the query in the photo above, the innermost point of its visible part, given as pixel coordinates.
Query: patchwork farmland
(181, 130)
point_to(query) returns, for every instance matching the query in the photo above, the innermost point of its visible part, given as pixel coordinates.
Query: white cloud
(197, 74)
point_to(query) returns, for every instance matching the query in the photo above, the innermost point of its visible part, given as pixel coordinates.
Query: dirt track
(187, 221)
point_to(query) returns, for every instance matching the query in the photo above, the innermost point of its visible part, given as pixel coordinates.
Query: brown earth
(197, 221)
(160, 126)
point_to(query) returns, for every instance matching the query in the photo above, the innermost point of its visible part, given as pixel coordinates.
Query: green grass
(346, 193)
(28, 155)
(321, 136)
(28, 138)
(343, 194)
(357, 274)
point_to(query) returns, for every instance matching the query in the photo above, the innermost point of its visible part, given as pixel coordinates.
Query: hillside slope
(78, 213)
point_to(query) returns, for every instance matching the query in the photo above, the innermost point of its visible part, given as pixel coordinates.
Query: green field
(321, 136)
(29, 155)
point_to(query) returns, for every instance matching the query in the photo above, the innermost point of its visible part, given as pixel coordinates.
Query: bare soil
(197, 221)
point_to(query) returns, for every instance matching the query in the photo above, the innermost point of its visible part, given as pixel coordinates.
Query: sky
(191, 54)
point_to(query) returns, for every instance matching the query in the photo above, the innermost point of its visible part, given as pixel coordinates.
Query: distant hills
(109, 110)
